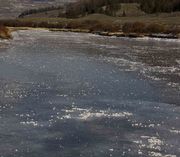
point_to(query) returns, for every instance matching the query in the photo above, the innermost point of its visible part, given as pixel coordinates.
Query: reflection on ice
(88, 114)
(71, 94)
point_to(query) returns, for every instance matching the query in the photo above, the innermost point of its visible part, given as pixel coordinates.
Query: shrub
(92, 25)
(136, 27)
(139, 27)
(104, 26)
(155, 28)
(74, 24)
(173, 30)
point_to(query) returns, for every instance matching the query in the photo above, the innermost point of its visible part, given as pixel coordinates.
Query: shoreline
(101, 33)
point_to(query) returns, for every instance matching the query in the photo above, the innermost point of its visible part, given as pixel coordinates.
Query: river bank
(122, 34)
(156, 26)
(102, 33)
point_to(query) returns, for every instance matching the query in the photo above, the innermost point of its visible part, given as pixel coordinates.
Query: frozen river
(83, 95)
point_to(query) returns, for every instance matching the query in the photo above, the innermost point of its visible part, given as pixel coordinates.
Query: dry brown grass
(104, 26)
(5, 33)
(173, 30)
(92, 25)
(140, 27)
(155, 28)
(136, 27)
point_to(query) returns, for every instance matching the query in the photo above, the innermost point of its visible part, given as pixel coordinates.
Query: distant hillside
(123, 9)
(111, 7)
(51, 11)
(117, 8)
(12, 8)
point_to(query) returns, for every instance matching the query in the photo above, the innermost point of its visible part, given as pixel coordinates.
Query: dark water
(73, 95)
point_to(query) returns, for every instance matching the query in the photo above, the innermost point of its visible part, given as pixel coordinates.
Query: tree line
(108, 7)
(154, 6)
(84, 7)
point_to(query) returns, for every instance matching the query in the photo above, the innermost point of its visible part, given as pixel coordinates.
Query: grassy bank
(106, 25)
(5, 33)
